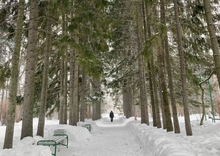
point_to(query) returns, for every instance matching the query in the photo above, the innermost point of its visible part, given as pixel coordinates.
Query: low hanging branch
(206, 79)
(202, 97)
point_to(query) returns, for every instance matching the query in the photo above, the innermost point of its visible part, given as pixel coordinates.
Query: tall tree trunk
(89, 111)
(3, 108)
(162, 106)
(71, 84)
(4, 121)
(127, 99)
(43, 100)
(27, 122)
(9, 133)
(157, 106)
(143, 94)
(97, 103)
(93, 103)
(169, 125)
(168, 67)
(146, 27)
(94, 111)
(151, 66)
(61, 108)
(161, 71)
(142, 85)
(76, 92)
(82, 97)
(183, 71)
(2, 102)
(65, 88)
(213, 38)
(71, 87)
(63, 75)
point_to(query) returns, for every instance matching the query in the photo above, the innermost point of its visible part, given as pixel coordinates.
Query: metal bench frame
(88, 126)
(57, 139)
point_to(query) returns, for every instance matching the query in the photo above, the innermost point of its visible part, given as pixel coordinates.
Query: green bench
(59, 138)
(88, 126)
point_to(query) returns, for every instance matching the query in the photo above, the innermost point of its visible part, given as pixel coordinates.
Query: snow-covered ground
(123, 137)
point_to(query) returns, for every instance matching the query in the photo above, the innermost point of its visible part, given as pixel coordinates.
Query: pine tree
(8, 142)
(27, 124)
(183, 71)
(44, 87)
(168, 67)
(213, 38)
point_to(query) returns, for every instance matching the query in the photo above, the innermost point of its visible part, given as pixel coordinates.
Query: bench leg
(67, 140)
(55, 150)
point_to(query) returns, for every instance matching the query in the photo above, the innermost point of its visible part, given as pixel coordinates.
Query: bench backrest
(60, 131)
(58, 138)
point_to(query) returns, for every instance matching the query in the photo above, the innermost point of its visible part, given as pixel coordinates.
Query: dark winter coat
(111, 115)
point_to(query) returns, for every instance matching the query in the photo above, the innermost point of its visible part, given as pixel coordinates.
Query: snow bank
(75, 133)
(158, 142)
(28, 147)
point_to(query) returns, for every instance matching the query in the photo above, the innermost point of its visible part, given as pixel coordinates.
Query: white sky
(122, 137)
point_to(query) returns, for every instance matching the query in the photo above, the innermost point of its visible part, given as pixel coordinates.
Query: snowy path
(109, 139)
(123, 137)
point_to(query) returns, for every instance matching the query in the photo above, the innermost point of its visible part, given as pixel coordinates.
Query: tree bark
(82, 97)
(127, 99)
(97, 103)
(2, 102)
(213, 38)
(152, 68)
(65, 88)
(153, 105)
(143, 94)
(183, 71)
(27, 121)
(63, 76)
(43, 100)
(162, 106)
(142, 85)
(168, 67)
(76, 92)
(169, 125)
(61, 108)
(71, 86)
(9, 133)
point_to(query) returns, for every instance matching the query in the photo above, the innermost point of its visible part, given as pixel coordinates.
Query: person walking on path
(111, 115)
